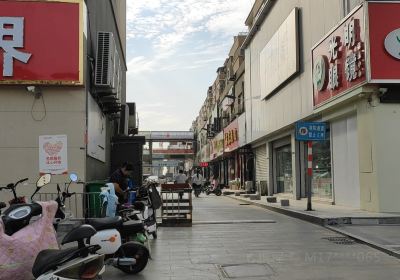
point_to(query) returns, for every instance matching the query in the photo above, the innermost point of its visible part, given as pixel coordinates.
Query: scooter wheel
(208, 193)
(218, 192)
(133, 250)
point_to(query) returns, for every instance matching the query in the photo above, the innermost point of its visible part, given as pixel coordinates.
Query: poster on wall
(53, 154)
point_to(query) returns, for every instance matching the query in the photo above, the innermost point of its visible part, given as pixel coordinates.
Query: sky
(174, 48)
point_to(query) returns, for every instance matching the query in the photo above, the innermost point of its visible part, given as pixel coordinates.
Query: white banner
(53, 154)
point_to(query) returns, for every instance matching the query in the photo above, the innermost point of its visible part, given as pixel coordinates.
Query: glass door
(284, 182)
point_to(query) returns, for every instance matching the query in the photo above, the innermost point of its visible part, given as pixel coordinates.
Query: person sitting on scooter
(214, 183)
(197, 181)
(120, 179)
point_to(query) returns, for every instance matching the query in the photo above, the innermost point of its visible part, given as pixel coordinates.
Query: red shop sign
(384, 42)
(41, 42)
(231, 136)
(339, 60)
(203, 164)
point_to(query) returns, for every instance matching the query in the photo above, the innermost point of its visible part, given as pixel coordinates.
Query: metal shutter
(261, 163)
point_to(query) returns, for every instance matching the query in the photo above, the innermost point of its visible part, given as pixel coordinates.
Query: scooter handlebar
(21, 181)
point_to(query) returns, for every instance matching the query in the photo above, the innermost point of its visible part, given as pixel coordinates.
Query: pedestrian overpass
(167, 151)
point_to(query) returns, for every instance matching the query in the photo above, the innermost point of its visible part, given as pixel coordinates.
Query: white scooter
(114, 237)
(99, 244)
(82, 262)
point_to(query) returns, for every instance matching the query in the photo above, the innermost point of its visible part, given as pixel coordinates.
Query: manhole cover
(342, 240)
(245, 270)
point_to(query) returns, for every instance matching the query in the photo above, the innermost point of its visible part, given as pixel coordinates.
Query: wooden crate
(176, 211)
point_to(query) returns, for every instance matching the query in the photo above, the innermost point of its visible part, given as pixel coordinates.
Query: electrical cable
(44, 107)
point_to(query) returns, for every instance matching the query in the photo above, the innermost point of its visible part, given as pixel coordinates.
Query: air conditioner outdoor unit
(132, 122)
(108, 70)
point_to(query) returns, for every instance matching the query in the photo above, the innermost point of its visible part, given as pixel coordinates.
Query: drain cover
(342, 240)
(245, 270)
(244, 204)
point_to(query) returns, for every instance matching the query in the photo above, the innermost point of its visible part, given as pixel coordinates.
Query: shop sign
(203, 164)
(231, 136)
(339, 60)
(310, 131)
(217, 146)
(210, 131)
(53, 154)
(279, 60)
(41, 42)
(384, 42)
(242, 130)
(392, 43)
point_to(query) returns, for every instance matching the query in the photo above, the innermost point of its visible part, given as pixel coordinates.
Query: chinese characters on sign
(310, 131)
(41, 42)
(53, 157)
(217, 146)
(338, 61)
(354, 66)
(231, 136)
(12, 37)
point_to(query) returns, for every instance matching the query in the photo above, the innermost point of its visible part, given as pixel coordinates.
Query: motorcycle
(209, 189)
(197, 189)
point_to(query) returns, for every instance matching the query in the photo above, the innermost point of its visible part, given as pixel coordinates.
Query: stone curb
(291, 213)
(322, 222)
(365, 241)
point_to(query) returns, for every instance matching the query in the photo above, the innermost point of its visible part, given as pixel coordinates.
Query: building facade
(220, 125)
(326, 61)
(318, 61)
(64, 88)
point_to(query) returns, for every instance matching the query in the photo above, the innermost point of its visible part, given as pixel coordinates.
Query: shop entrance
(282, 161)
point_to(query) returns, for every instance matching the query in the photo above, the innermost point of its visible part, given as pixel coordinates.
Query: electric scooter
(100, 241)
(113, 235)
(211, 189)
(16, 218)
(144, 208)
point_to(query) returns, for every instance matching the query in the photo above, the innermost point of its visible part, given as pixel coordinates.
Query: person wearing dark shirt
(120, 179)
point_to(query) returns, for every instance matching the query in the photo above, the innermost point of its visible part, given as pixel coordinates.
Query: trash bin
(93, 202)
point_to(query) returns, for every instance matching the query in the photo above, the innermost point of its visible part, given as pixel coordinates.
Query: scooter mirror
(43, 180)
(73, 177)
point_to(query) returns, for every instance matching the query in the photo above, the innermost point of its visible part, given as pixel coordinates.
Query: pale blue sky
(173, 50)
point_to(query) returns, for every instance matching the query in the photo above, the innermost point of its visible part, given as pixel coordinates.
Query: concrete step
(255, 197)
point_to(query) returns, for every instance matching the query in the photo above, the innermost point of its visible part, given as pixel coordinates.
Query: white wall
(346, 182)
(19, 132)
(293, 101)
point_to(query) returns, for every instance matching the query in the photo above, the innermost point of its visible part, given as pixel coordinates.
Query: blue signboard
(310, 131)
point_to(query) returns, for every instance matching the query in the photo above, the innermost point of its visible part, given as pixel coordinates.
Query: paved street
(272, 246)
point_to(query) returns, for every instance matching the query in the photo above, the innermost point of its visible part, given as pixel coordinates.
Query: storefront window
(322, 175)
(284, 169)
